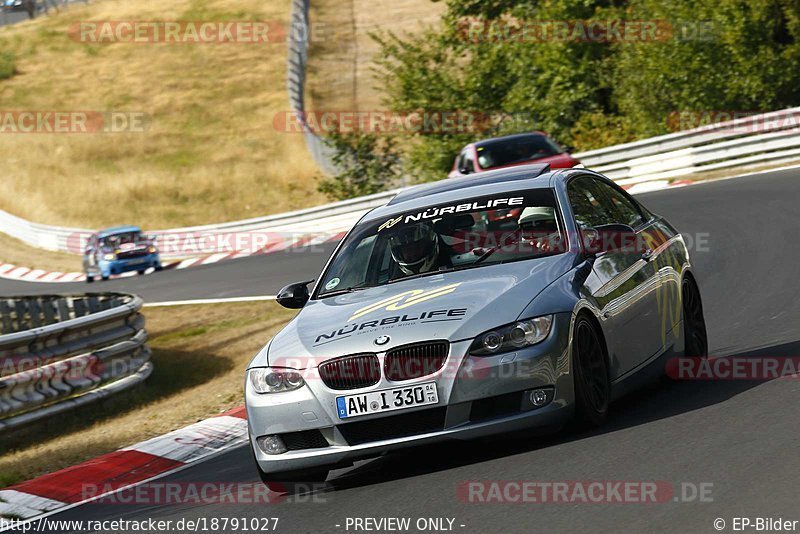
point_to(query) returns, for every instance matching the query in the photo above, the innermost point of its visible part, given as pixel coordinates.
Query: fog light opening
(271, 445)
(540, 397)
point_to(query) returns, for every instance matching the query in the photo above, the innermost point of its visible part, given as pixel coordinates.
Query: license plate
(386, 400)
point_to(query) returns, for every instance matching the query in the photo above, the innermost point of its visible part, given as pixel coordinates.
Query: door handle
(647, 255)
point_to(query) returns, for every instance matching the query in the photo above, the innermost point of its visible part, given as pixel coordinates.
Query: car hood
(453, 306)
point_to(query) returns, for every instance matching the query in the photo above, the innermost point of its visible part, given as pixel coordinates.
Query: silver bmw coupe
(472, 306)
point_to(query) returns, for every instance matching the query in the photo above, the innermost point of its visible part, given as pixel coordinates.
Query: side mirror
(294, 296)
(610, 238)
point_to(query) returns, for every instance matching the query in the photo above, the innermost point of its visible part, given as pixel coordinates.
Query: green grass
(8, 67)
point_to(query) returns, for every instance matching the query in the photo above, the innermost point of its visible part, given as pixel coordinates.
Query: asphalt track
(739, 436)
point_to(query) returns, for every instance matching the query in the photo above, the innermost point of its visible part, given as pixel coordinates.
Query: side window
(627, 212)
(588, 204)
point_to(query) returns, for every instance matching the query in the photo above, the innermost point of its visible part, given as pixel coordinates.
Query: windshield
(125, 238)
(515, 150)
(467, 234)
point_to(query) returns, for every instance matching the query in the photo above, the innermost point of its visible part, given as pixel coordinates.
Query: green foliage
(727, 55)
(8, 66)
(743, 57)
(367, 164)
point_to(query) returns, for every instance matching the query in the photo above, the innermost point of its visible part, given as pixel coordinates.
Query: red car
(511, 150)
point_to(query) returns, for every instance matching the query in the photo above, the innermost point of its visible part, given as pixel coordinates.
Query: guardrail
(60, 352)
(296, 83)
(764, 138)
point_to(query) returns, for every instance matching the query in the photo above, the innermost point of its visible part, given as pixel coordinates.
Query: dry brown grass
(340, 74)
(18, 253)
(200, 354)
(211, 153)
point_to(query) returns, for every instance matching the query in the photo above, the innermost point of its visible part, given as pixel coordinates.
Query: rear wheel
(141, 273)
(694, 323)
(89, 279)
(592, 385)
(105, 277)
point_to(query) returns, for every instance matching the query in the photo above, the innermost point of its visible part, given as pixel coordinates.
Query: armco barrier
(60, 352)
(764, 138)
(296, 83)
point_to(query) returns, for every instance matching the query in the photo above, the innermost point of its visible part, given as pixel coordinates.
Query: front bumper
(119, 266)
(478, 396)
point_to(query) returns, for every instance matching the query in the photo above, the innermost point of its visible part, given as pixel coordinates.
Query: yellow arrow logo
(404, 300)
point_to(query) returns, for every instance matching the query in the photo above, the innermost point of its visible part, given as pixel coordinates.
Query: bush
(366, 164)
(723, 55)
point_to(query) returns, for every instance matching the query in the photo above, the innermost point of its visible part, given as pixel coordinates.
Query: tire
(592, 385)
(89, 279)
(140, 273)
(694, 323)
(159, 268)
(105, 277)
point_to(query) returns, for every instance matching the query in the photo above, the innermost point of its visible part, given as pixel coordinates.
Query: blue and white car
(119, 250)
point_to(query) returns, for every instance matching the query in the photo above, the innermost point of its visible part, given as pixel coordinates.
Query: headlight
(275, 380)
(151, 249)
(512, 336)
(109, 257)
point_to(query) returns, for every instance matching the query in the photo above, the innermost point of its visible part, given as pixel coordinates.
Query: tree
(366, 164)
(717, 55)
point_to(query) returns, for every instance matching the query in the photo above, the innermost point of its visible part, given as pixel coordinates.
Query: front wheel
(592, 385)
(694, 323)
(89, 279)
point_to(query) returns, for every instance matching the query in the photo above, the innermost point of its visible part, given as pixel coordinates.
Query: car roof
(512, 137)
(463, 187)
(118, 230)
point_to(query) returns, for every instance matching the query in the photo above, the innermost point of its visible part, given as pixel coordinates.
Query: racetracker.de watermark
(734, 121)
(582, 492)
(73, 122)
(190, 244)
(511, 29)
(194, 32)
(202, 493)
(383, 122)
(760, 368)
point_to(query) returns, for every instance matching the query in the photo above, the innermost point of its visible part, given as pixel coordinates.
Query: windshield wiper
(440, 270)
(343, 291)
